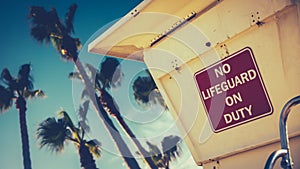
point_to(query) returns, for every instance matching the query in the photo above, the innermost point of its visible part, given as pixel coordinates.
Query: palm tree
(19, 89)
(109, 76)
(46, 27)
(170, 151)
(146, 91)
(53, 133)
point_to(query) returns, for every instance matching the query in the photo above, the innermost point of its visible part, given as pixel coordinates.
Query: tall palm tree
(146, 91)
(109, 76)
(53, 133)
(19, 89)
(170, 151)
(46, 27)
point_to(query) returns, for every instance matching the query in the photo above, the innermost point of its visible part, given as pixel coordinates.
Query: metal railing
(284, 152)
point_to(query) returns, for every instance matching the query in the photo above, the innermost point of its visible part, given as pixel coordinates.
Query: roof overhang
(145, 25)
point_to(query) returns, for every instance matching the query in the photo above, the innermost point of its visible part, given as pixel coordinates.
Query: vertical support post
(286, 162)
(284, 152)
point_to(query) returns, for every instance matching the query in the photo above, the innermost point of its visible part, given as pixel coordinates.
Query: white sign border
(261, 81)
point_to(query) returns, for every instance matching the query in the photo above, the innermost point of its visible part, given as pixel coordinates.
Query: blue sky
(50, 74)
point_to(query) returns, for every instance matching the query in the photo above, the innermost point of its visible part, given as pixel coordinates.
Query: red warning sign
(233, 91)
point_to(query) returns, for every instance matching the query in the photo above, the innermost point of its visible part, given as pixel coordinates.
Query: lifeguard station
(229, 71)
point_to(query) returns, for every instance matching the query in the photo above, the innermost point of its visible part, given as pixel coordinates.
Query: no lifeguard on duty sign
(233, 91)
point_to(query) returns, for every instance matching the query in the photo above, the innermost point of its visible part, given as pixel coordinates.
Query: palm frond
(68, 121)
(156, 155)
(75, 75)
(54, 22)
(24, 77)
(52, 134)
(156, 97)
(6, 77)
(44, 24)
(154, 150)
(47, 26)
(145, 91)
(70, 17)
(94, 147)
(171, 148)
(110, 73)
(56, 42)
(24, 71)
(38, 14)
(32, 94)
(143, 86)
(65, 46)
(6, 97)
(78, 43)
(69, 50)
(142, 89)
(82, 113)
(22, 85)
(41, 33)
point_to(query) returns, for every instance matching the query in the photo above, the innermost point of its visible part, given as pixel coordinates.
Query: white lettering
(225, 68)
(252, 74)
(229, 101)
(212, 91)
(238, 114)
(237, 97)
(228, 118)
(244, 77)
(204, 96)
(249, 110)
(237, 81)
(219, 71)
(234, 99)
(218, 89)
(230, 83)
(224, 86)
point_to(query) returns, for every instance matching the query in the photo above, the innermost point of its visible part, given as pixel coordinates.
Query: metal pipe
(273, 157)
(284, 152)
(284, 140)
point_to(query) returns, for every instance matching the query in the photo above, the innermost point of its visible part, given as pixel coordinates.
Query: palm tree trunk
(86, 158)
(108, 102)
(21, 105)
(141, 149)
(121, 145)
